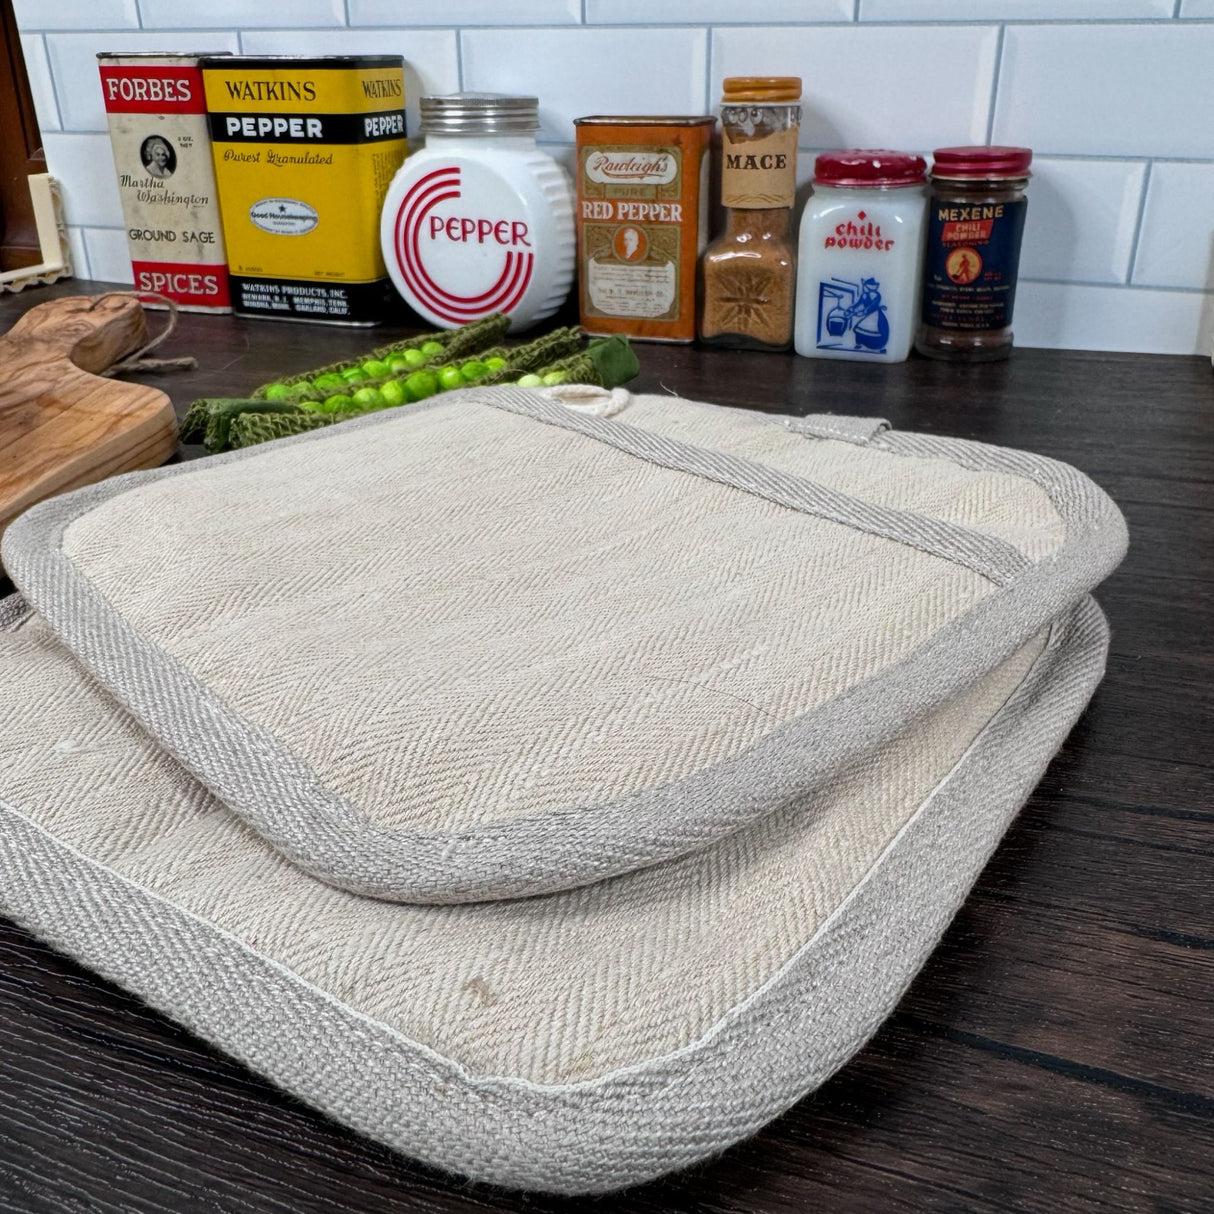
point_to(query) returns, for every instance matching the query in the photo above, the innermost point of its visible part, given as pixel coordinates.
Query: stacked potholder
(554, 797)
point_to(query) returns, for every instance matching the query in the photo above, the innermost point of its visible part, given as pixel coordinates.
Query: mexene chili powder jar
(642, 223)
(975, 222)
(749, 272)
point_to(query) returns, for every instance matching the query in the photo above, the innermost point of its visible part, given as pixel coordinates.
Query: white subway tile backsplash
(76, 14)
(714, 12)
(1120, 90)
(80, 257)
(1063, 317)
(240, 14)
(455, 13)
(84, 167)
(1081, 220)
(1115, 97)
(1011, 10)
(109, 255)
(38, 69)
(73, 60)
(598, 71)
(873, 86)
(431, 56)
(1176, 248)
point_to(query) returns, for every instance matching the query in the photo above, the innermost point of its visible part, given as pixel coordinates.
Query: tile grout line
(1129, 287)
(840, 23)
(459, 57)
(990, 118)
(710, 34)
(46, 54)
(1142, 209)
(1176, 10)
(855, 13)
(84, 251)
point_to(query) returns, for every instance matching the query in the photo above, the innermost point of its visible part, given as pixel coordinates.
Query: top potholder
(489, 646)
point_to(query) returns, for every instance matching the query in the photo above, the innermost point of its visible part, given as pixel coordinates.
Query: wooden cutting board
(62, 426)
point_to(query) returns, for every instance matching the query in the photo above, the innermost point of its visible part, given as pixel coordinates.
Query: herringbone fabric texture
(492, 647)
(746, 702)
(574, 1043)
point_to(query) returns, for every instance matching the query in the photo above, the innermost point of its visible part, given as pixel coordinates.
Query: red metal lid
(869, 167)
(982, 162)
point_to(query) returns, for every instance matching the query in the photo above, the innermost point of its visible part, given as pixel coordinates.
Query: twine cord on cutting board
(138, 361)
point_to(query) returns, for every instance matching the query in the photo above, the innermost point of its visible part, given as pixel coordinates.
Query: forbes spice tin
(642, 223)
(162, 153)
(305, 149)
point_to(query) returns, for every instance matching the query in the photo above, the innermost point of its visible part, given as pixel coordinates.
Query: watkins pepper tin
(304, 150)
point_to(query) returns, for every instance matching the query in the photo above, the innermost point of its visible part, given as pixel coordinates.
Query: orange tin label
(642, 223)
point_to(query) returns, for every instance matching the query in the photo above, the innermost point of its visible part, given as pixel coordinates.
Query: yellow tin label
(304, 152)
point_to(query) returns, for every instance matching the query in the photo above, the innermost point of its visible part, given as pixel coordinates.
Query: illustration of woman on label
(864, 315)
(159, 159)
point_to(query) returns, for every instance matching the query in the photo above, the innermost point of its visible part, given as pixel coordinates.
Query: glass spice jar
(860, 258)
(976, 212)
(748, 274)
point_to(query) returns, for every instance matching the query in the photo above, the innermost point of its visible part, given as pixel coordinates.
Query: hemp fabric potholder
(577, 1042)
(746, 702)
(489, 647)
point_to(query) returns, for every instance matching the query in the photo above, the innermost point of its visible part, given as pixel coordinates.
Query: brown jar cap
(760, 89)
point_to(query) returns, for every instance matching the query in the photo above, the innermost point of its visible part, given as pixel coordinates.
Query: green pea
(421, 384)
(473, 370)
(495, 363)
(450, 377)
(353, 374)
(322, 383)
(376, 368)
(369, 398)
(530, 381)
(279, 391)
(555, 377)
(431, 348)
(398, 364)
(394, 392)
(332, 404)
(415, 358)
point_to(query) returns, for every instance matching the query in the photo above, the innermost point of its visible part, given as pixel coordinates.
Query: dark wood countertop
(1057, 1051)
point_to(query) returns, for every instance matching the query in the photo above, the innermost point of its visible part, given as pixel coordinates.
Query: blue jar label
(973, 250)
(852, 316)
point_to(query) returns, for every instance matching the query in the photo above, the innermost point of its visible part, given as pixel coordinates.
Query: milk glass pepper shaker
(749, 272)
(861, 256)
(480, 220)
(975, 223)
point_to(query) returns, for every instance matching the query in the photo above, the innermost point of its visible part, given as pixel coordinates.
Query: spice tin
(162, 154)
(304, 150)
(642, 223)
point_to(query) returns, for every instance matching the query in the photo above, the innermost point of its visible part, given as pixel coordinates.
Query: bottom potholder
(577, 1042)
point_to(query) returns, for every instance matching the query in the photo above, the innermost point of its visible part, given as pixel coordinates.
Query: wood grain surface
(1056, 1054)
(61, 425)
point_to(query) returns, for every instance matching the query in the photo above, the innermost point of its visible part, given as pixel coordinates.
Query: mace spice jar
(480, 220)
(749, 272)
(976, 215)
(860, 256)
